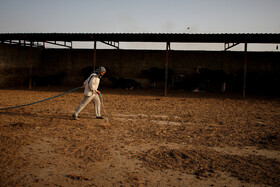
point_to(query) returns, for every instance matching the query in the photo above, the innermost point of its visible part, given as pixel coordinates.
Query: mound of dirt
(204, 163)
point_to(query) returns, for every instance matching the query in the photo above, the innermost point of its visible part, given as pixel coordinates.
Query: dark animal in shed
(122, 83)
(256, 82)
(157, 75)
(55, 79)
(187, 82)
(209, 80)
(180, 82)
(86, 71)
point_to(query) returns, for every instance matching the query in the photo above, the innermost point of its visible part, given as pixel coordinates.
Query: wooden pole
(245, 71)
(166, 67)
(94, 56)
(30, 66)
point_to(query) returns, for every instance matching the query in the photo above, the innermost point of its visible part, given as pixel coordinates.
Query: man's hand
(98, 92)
(83, 86)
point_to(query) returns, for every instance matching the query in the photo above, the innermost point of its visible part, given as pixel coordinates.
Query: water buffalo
(209, 80)
(156, 75)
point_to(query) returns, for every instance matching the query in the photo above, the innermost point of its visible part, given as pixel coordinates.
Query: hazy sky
(140, 16)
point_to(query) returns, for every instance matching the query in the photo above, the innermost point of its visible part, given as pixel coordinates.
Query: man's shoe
(99, 117)
(75, 117)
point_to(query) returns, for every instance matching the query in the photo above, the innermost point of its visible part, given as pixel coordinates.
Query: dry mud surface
(185, 139)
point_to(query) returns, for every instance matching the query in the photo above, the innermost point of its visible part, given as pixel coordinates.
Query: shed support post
(94, 56)
(245, 71)
(166, 68)
(30, 66)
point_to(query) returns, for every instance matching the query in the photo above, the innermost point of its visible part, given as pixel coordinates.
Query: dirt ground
(185, 139)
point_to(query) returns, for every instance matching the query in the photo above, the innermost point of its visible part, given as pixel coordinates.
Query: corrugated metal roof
(146, 37)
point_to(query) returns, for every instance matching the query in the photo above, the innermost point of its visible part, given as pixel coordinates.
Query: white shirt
(92, 84)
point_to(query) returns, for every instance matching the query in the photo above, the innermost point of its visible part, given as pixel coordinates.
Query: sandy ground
(185, 139)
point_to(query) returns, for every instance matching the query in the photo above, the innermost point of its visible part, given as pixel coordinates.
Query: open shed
(39, 40)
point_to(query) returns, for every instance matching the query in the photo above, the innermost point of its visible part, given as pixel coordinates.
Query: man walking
(91, 93)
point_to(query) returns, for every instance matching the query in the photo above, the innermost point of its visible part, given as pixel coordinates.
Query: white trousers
(95, 100)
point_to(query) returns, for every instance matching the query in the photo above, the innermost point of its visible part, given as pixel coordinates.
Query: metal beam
(146, 37)
(230, 45)
(62, 45)
(111, 43)
(24, 43)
